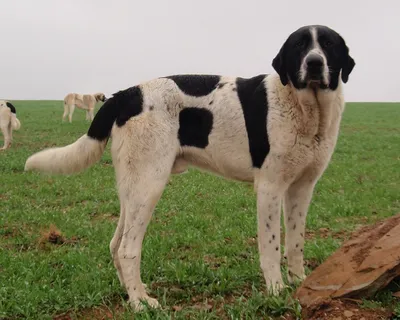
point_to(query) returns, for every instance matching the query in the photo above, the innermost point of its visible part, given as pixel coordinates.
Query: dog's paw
(140, 304)
(274, 288)
(296, 276)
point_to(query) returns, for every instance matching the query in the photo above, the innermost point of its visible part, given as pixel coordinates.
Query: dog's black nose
(314, 61)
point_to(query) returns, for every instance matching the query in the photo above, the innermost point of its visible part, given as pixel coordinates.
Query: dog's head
(100, 97)
(314, 56)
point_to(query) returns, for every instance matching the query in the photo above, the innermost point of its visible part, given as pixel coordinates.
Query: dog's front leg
(270, 190)
(268, 214)
(296, 202)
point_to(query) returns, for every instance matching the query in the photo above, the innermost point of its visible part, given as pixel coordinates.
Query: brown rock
(364, 264)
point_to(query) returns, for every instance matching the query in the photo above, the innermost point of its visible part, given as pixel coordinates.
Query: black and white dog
(8, 122)
(277, 131)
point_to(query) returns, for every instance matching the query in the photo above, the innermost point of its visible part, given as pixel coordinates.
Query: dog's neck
(322, 107)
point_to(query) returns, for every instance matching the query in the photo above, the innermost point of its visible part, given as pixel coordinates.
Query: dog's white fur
(8, 123)
(82, 101)
(302, 126)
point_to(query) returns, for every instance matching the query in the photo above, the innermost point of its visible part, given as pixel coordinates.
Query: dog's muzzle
(315, 64)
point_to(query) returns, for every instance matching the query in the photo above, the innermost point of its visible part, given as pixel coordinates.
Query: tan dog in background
(8, 122)
(83, 101)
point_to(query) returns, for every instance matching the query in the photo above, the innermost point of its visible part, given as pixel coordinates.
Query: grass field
(200, 256)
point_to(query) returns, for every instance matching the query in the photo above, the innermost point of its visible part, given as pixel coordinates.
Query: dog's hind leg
(7, 133)
(66, 111)
(295, 206)
(91, 114)
(143, 156)
(71, 109)
(115, 243)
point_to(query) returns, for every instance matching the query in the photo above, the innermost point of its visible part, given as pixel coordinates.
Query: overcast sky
(52, 47)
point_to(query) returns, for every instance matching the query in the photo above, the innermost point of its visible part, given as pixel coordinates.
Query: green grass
(199, 253)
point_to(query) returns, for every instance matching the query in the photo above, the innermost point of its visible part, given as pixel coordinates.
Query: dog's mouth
(316, 81)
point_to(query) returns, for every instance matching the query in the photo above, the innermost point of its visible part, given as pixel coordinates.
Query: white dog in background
(277, 131)
(8, 122)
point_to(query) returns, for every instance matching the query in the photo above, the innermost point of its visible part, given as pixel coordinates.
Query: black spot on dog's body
(119, 109)
(12, 108)
(211, 102)
(195, 125)
(253, 98)
(196, 85)
(131, 101)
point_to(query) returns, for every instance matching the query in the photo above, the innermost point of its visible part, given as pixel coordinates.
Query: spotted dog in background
(8, 122)
(83, 101)
(277, 131)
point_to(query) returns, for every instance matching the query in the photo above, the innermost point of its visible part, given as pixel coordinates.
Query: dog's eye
(327, 44)
(299, 43)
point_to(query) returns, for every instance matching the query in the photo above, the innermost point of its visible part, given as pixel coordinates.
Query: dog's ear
(347, 64)
(279, 64)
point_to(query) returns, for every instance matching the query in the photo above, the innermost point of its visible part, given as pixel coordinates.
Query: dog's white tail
(70, 159)
(15, 122)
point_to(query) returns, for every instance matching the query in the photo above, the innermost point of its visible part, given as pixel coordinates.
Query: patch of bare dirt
(104, 217)
(343, 310)
(325, 233)
(54, 236)
(95, 313)
(214, 262)
(332, 310)
(3, 197)
(311, 263)
(10, 232)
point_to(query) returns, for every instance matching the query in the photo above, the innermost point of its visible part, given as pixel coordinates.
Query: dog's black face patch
(337, 55)
(288, 61)
(12, 108)
(253, 98)
(196, 85)
(119, 109)
(195, 125)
